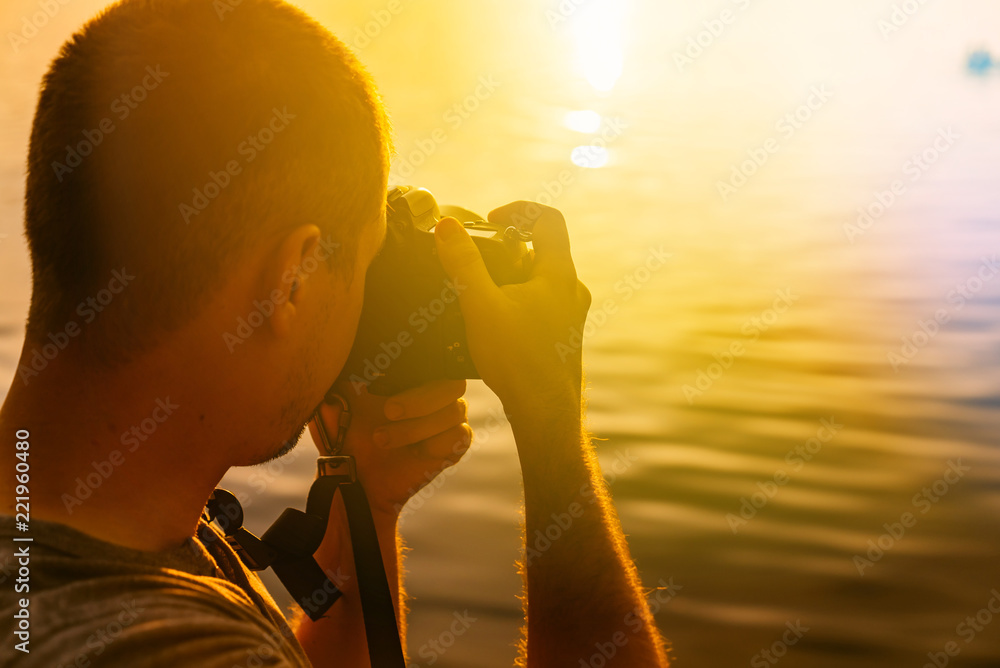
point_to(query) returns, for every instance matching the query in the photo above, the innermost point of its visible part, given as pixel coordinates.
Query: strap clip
(335, 466)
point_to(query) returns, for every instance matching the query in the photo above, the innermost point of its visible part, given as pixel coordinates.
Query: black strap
(381, 630)
(289, 544)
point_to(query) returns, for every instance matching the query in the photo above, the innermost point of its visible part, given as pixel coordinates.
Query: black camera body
(411, 329)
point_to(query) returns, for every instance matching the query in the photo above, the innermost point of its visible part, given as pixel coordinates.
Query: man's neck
(123, 459)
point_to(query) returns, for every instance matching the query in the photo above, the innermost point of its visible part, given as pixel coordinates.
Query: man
(186, 172)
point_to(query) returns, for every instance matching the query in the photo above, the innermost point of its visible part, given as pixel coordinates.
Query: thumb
(462, 262)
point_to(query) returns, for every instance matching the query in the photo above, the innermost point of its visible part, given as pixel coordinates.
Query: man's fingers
(414, 430)
(549, 236)
(424, 400)
(463, 263)
(449, 445)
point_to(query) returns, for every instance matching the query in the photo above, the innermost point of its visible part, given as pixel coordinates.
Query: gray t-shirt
(94, 603)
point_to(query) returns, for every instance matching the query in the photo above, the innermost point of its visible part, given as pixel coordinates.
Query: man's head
(235, 167)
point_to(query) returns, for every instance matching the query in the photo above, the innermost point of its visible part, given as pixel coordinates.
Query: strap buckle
(334, 467)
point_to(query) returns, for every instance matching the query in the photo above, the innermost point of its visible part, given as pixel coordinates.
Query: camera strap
(287, 547)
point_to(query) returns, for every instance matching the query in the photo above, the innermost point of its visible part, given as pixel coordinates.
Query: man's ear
(290, 275)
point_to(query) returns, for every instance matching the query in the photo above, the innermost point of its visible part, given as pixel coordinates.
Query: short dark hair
(169, 137)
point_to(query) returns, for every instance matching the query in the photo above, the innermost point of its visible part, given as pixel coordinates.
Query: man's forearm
(582, 588)
(339, 638)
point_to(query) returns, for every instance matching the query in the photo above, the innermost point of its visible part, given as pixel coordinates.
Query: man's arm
(582, 590)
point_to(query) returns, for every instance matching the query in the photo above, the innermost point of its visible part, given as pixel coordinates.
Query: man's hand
(401, 443)
(514, 331)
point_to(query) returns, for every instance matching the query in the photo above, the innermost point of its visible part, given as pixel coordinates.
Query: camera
(411, 329)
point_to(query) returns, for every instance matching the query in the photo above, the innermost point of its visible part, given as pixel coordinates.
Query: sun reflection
(590, 157)
(585, 121)
(599, 30)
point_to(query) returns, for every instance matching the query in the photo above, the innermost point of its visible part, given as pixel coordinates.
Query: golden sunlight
(599, 31)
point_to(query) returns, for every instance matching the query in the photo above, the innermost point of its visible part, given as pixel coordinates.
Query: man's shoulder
(82, 602)
(57, 559)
